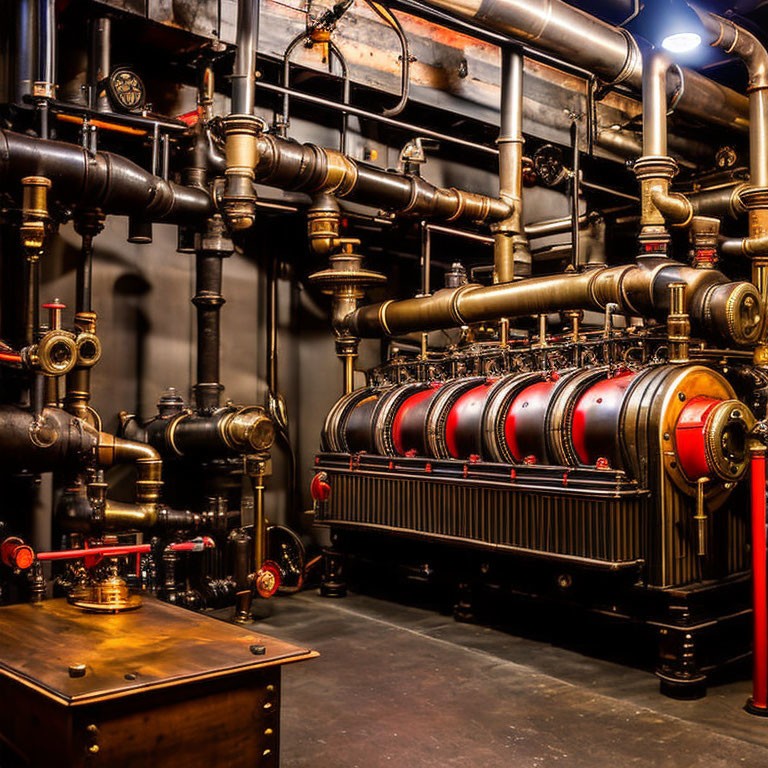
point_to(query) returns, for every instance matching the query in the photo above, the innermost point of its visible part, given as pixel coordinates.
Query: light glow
(681, 42)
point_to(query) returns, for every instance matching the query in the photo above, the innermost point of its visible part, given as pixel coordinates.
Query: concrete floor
(407, 685)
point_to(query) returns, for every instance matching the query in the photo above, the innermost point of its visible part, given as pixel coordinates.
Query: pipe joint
(241, 149)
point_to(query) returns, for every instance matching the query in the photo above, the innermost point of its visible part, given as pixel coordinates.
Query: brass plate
(157, 647)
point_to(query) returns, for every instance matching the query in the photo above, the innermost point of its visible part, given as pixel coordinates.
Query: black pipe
(208, 301)
(53, 441)
(101, 179)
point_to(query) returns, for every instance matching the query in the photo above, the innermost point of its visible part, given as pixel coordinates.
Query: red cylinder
(525, 423)
(691, 435)
(408, 426)
(595, 424)
(463, 424)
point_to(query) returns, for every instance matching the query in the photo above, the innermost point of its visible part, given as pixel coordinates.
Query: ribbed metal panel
(607, 529)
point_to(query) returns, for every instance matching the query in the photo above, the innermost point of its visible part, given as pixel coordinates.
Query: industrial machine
(577, 413)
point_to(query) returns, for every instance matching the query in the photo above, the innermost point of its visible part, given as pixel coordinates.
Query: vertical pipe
(99, 63)
(46, 64)
(244, 71)
(208, 301)
(758, 704)
(575, 181)
(655, 66)
(259, 522)
(758, 138)
(272, 359)
(510, 144)
(26, 48)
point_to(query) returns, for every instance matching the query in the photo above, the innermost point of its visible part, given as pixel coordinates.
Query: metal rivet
(268, 705)
(268, 731)
(258, 650)
(93, 749)
(77, 670)
(680, 396)
(270, 688)
(130, 675)
(666, 435)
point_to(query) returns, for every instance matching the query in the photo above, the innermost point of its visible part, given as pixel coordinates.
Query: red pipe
(758, 704)
(196, 545)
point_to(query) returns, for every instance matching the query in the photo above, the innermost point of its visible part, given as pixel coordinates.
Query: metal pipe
(607, 51)
(100, 180)
(99, 64)
(718, 307)
(358, 112)
(722, 201)
(244, 70)
(575, 197)
(309, 168)
(26, 43)
(509, 234)
(46, 72)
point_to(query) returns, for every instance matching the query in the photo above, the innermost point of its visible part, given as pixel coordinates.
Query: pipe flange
(656, 167)
(754, 198)
(631, 62)
(727, 428)
(88, 349)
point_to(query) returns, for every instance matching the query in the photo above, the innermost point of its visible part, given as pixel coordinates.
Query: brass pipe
(701, 517)
(149, 466)
(678, 324)
(723, 309)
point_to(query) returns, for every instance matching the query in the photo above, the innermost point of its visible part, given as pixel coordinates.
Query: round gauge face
(126, 90)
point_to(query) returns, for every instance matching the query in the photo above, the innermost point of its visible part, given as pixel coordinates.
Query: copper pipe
(723, 309)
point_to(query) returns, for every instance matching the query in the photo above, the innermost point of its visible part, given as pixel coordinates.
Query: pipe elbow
(732, 38)
(673, 206)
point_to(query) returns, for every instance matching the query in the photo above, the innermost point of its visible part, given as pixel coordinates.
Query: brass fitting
(323, 220)
(659, 206)
(242, 155)
(678, 324)
(248, 430)
(89, 348)
(344, 280)
(55, 354)
(149, 466)
(34, 213)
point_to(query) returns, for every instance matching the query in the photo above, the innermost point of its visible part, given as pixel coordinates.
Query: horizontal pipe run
(607, 51)
(100, 180)
(717, 307)
(309, 168)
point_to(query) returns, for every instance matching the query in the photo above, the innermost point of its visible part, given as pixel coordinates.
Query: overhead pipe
(718, 308)
(609, 52)
(731, 38)
(100, 180)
